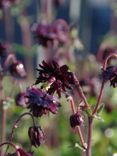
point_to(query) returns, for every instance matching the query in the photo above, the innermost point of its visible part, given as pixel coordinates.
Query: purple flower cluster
(39, 102)
(46, 33)
(60, 77)
(7, 3)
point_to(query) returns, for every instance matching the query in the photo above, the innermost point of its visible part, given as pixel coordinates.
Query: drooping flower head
(61, 29)
(39, 102)
(76, 120)
(47, 32)
(110, 74)
(60, 76)
(42, 33)
(20, 99)
(17, 69)
(36, 136)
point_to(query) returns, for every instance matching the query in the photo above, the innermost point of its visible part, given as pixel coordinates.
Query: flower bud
(17, 69)
(76, 120)
(36, 136)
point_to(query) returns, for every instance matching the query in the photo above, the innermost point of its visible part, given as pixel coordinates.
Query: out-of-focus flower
(109, 107)
(62, 78)
(61, 29)
(58, 3)
(2, 48)
(46, 33)
(20, 99)
(39, 102)
(76, 120)
(7, 3)
(16, 69)
(36, 136)
(3, 53)
(20, 152)
(110, 74)
(43, 33)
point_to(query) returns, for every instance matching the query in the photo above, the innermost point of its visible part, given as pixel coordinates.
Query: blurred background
(92, 37)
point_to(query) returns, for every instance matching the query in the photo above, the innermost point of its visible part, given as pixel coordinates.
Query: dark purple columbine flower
(40, 102)
(76, 120)
(62, 78)
(21, 99)
(16, 69)
(110, 74)
(43, 33)
(36, 136)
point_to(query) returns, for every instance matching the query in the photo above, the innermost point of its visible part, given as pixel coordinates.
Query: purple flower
(110, 74)
(20, 99)
(40, 102)
(46, 33)
(16, 69)
(36, 136)
(76, 120)
(43, 34)
(61, 29)
(61, 78)
(7, 3)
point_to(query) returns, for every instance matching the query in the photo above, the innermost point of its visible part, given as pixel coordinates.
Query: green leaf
(101, 107)
(97, 116)
(77, 145)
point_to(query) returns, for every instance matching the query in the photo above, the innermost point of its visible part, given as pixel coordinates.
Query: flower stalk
(78, 129)
(10, 144)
